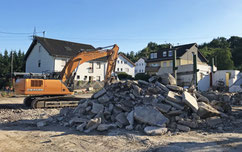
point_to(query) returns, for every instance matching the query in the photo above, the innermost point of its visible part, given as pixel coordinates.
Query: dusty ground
(18, 132)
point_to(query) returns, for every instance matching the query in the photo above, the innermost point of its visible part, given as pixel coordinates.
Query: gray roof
(59, 47)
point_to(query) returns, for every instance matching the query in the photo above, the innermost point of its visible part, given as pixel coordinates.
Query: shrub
(124, 76)
(142, 76)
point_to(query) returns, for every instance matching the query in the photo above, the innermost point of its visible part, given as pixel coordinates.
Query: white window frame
(164, 53)
(170, 53)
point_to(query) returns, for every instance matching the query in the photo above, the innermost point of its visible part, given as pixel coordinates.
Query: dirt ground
(18, 132)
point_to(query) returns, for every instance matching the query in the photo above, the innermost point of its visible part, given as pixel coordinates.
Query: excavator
(55, 93)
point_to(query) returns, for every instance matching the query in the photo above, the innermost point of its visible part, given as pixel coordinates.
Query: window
(78, 77)
(164, 53)
(118, 61)
(125, 62)
(171, 63)
(98, 65)
(142, 64)
(121, 69)
(164, 64)
(90, 69)
(154, 65)
(135, 71)
(139, 70)
(39, 63)
(85, 78)
(170, 53)
(117, 69)
(121, 62)
(153, 55)
(98, 78)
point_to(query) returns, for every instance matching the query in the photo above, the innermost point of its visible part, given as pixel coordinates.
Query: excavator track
(51, 102)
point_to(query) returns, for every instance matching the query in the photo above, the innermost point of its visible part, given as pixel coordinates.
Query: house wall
(91, 71)
(122, 65)
(140, 66)
(60, 63)
(46, 61)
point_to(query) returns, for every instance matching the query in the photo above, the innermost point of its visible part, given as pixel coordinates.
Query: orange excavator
(52, 93)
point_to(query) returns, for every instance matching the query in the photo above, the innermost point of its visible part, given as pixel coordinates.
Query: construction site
(160, 77)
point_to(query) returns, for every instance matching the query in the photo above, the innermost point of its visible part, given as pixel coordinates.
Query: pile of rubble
(156, 107)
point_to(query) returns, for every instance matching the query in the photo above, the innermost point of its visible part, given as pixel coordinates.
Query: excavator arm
(85, 56)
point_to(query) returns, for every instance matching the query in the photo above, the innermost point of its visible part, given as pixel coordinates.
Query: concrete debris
(149, 115)
(189, 100)
(155, 107)
(151, 130)
(41, 123)
(205, 110)
(183, 128)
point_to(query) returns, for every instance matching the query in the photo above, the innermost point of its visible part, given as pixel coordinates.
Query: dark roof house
(59, 48)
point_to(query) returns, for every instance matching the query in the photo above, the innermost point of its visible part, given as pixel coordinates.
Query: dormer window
(170, 53)
(153, 55)
(164, 53)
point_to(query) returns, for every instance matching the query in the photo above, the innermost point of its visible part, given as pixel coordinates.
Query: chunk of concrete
(149, 115)
(174, 88)
(99, 93)
(121, 118)
(190, 101)
(104, 127)
(41, 124)
(176, 105)
(203, 99)
(103, 99)
(175, 97)
(167, 78)
(152, 130)
(97, 108)
(213, 121)
(81, 127)
(142, 82)
(164, 108)
(206, 110)
(136, 91)
(92, 124)
(163, 87)
(183, 128)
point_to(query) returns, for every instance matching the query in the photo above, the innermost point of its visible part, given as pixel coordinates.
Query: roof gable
(121, 54)
(59, 47)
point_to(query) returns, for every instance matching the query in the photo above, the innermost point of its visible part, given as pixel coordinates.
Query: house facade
(50, 55)
(140, 66)
(162, 62)
(123, 64)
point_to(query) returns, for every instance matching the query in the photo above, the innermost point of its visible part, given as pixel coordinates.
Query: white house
(140, 66)
(123, 64)
(50, 55)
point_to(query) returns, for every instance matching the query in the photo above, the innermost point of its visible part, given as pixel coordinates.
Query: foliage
(142, 76)
(124, 76)
(5, 66)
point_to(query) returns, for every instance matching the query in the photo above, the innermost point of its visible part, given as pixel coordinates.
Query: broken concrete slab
(173, 96)
(104, 127)
(97, 108)
(163, 87)
(99, 93)
(174, 88)
(152, 130)
(167, 78)
(183, 128)
(213, 121)
(190, 101)
(177, 106)
(203, 99)
(164, 108)
(103, 99)
(205, 110)
(136, 90)
(142, 82)
(121, 118)
(92, 124)
(41, 123)
(81, 127)
(149, 115)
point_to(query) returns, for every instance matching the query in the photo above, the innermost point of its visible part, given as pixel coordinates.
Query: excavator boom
(45, 93)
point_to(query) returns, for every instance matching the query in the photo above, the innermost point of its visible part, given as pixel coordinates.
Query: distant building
(140, 66)
(123, 64)
(162, 62)
(50, 55)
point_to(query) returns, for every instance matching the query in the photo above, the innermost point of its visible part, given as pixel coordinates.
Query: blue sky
(129, 23)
